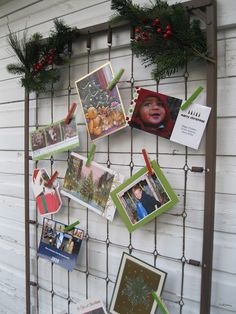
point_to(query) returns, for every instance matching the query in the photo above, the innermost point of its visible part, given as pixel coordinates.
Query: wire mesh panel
(171, 242)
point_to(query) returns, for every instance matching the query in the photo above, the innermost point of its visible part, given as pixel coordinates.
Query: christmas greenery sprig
(37, 55)
(164, 35)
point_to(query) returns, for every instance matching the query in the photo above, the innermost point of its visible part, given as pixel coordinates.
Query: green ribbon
(44, 204)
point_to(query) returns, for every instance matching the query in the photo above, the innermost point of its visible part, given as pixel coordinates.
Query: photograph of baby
(143, 197)
(90, 185)
(56, 137)
(103, 109)
(58, 246)
(154, 112)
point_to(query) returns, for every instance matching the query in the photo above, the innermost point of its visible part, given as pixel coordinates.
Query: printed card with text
(89, 307)
(190, 125)
(59, 246)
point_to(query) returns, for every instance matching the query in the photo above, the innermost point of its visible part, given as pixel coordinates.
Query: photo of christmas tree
(135, 282)
(88, 185)
(103, 109)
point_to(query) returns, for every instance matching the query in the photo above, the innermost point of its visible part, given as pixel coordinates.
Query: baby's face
(152, 111)
(138, 194)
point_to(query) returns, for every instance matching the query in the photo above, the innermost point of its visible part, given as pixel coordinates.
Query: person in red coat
(152, 114)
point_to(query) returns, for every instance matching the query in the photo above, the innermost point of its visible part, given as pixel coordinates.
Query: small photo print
(68, 130)
(143, 197)
(58, 246)
(57, 137)
(103, 108)
(53, 134)
(89, 307)
(38, 140)
(48, 199)
(91, 186)
(134, 285)
(154, 112)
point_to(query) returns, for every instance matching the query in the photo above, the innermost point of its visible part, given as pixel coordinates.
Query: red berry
(137, 30)
(169, 32)
(165, 35)
(155, 22)
(159, 30)
(168, 27)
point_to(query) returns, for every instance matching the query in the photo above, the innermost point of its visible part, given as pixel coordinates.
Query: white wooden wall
(38, 16)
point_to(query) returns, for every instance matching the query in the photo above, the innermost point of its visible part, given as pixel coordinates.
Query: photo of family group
(59, 246)
(143, 197)
(56, 137)
(103, 109)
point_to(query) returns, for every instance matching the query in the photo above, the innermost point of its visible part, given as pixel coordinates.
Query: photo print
(91, 186)
(48, 199)
(143, 197)
(154, 112)
(103, 109)
(57, 137)
(89, 307)
(134, 285)
(58, 246)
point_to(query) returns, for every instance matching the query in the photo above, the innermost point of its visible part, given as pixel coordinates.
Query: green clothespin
(90, 155)
(68, 228)
(160, 303)
(191, 98)
(115, 80)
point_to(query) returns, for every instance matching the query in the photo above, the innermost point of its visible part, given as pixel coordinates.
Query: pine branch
(16, 68)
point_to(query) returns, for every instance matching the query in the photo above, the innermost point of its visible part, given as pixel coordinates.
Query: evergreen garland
(37, 55)
(164, 35)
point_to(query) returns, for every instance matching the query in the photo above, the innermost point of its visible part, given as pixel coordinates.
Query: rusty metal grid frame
(205, 10)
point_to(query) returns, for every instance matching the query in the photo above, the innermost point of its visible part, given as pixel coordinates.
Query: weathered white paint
(39, 17)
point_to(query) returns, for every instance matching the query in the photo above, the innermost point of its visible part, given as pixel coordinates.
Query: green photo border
(59, 150)
(173, 197)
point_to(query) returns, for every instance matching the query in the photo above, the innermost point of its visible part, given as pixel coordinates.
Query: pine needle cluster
(164, 35)
(36, 56)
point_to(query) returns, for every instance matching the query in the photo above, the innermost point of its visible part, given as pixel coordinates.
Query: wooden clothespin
(71, 226)
(90, 155)
(52, 179)
(147, 161)
(191, 98)
(115, 80)
(160, 303)
(70, 112)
